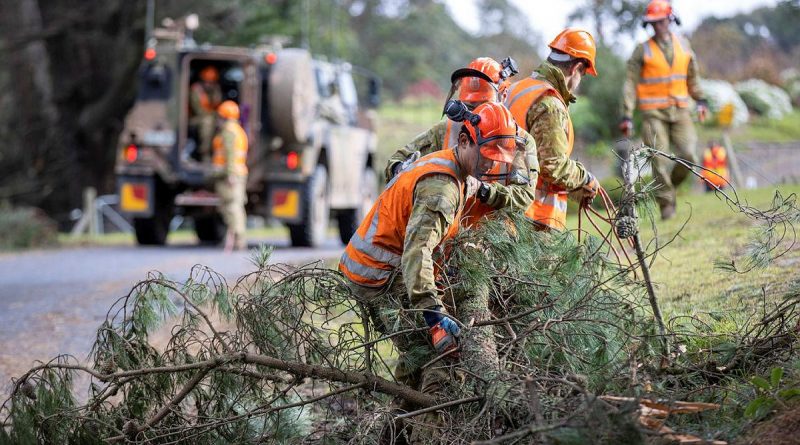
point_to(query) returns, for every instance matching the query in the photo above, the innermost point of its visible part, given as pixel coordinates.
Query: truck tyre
(293, 96)
(350, 219)
(152, 231)
(210, 229)
(315, 206)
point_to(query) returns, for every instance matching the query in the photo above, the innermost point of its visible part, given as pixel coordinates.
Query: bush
(765, 99)
(26, 227)
(719, 93)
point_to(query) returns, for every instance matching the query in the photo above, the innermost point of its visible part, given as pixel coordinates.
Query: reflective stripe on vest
(662, 85)
(550, 205)
(239, 148)
(451, 134)
(375, 249)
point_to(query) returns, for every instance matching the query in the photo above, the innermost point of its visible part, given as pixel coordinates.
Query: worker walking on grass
(394, 258)
(230, 163)
(540, 105)
(205, 97)
(507, 185)
(662, 75)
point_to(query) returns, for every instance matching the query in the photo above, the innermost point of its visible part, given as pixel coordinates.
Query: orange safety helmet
(474, 89)
(578, 44)
(228, 110)
(657, 10)
(493, 128)
(209, 74)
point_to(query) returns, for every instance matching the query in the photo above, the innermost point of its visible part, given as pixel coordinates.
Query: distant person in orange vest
(205, 97)
(662, 75)
(540, 105)
(402, 239)
(230, 161)
(715, 158)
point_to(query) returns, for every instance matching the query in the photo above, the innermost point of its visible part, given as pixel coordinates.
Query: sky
(552, 18)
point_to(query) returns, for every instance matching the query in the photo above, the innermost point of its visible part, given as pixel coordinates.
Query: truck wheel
(210, 229)
(152, 231)
(350, 219)
(315, 205)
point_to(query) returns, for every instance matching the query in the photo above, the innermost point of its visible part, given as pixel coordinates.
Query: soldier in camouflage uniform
(230, 162)
(514, 189)
(402, 242)
(205, 96)
(540, 104)
(662, 74)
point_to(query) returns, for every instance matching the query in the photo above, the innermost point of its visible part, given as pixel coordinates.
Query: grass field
(706, 230)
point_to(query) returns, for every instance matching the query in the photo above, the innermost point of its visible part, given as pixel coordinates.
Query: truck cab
(308, 126)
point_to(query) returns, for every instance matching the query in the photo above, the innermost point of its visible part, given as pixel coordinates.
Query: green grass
(759, 129)
(399, 123)
(687, 280)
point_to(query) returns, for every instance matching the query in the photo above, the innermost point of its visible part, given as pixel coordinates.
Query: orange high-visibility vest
(715, 158)
(205, 101)
(239, 148)
(550, 205)
(375, 250)
(662, 85)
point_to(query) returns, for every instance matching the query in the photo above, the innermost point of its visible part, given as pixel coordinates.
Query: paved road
(52, 301)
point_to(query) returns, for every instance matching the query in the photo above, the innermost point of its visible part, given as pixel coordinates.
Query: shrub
(26, 227)
(765, 99)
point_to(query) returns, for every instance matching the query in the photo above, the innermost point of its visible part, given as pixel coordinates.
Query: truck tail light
(271, 58)
(292, 160)
(131, 153)
(149, 54)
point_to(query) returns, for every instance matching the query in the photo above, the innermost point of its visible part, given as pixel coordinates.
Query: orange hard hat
(495, 131)
(228, 110)
(657, 10)
(474, 89)
(578, 44)
(209, 74)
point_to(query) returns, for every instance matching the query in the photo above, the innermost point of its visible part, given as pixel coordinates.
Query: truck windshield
(155, 81)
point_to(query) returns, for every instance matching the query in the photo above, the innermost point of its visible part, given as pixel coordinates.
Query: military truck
(310, 131)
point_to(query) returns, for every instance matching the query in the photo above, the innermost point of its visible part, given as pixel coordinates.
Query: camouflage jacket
(436, 202)
(548, 122)
(522, 183)
(634, 71)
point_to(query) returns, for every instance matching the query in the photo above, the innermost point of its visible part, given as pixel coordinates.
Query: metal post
(736, 173)
(89, 211)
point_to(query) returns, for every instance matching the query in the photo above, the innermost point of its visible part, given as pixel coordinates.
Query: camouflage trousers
(669, 130)
(233, 197)
(206, 128)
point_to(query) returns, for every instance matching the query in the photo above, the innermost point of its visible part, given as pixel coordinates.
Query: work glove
(589, 189)
(626, 127)
(702, 110)
(442, 328)
(473, 184)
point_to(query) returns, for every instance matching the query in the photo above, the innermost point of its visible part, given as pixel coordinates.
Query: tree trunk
(72, 74)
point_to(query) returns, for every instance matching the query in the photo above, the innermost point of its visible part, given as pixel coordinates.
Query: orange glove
(442, 341)
(626, 127)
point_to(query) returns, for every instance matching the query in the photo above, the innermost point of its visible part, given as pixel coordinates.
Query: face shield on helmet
(481, 81)
(491, 126)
